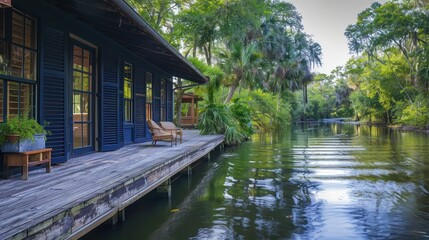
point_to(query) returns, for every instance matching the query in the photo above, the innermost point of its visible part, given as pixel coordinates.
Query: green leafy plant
(23, 126)
(218, 119)
(242, 113)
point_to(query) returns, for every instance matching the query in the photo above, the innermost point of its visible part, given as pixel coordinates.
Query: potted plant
(20, 134)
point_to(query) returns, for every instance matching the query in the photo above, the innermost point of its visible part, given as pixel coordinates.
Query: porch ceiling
(118, 21)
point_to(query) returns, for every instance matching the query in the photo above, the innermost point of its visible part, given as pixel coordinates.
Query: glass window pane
(77, 80)
(77, 58)
(13, 99)
(127, 111)
(30, 33)
(127, 90)
(17, 28)
(77, 107)
(86, 82)
(4, 58)
(16, 61)
(148, 87)
(26, 99)
(86, 135)
(18, 55)
(30, 60)
(87, 67)
(86, 103)
(127, 72)
(77, 135)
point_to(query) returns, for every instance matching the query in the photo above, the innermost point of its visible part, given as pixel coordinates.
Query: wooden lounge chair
(168, 126)
(159, 134)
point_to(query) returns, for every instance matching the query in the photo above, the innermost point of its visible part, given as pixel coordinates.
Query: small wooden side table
(27, 159)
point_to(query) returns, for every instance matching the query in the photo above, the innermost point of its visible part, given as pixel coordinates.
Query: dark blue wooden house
(93, 69)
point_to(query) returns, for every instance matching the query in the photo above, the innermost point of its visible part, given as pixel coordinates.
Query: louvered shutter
(110, 120)
(139, 105)
(53, 92)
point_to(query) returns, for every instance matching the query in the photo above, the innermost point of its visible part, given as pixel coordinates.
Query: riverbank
(86, 191)
(396, 127)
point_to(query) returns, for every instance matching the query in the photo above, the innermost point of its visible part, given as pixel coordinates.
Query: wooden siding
(77, 194)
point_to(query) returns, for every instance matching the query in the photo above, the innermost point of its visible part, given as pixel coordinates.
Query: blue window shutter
(121, 102)
(139, 104)
(110, 120)
(53, 92)
(156, 102)
(170, 107)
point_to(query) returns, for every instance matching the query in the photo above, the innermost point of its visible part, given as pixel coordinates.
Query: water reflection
(322, 181)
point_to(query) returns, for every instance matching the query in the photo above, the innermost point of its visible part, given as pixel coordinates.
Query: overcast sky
(326, 21)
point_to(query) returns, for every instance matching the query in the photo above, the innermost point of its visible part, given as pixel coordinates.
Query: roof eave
(127, 9)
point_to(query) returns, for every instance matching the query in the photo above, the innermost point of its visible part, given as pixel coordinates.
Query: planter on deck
(23, 145)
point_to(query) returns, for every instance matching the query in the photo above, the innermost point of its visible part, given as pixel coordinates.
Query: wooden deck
(85, 191)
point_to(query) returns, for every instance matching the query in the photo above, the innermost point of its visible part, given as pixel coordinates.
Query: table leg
(25, 168)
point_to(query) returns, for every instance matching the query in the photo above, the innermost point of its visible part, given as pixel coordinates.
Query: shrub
(218, 119)
(23, 126)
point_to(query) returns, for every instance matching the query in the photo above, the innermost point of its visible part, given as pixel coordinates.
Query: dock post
(121, 214)
(208, 156)
(118, 216)
(164, 190)
(115, 219)
(187, 170)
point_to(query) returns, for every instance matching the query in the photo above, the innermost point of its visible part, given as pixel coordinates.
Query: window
(20, 99)
(149, 79)
(128, 93)
(18, 63)
(163, 100)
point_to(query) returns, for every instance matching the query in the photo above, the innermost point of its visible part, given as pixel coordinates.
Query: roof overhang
(118, 21)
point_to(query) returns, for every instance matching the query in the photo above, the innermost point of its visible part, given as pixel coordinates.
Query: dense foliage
(387, 81)
(259, 61)
(254, 51)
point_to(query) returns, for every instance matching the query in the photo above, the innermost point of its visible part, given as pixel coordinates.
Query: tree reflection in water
(321, 181)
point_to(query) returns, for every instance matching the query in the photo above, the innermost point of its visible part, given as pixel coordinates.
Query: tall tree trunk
(207, 54)
(231, 91)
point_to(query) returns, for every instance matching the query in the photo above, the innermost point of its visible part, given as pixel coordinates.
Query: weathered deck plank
(75, 194)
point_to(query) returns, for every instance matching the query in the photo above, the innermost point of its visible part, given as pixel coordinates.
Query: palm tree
(240, 62)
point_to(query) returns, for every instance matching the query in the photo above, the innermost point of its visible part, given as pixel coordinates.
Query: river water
(322, 181)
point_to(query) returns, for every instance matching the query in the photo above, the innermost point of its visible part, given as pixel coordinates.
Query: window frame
(26, 104)
(149, 95)
(163, 94)
(128, 101)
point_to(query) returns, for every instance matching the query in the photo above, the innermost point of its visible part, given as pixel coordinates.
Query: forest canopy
(260, 62)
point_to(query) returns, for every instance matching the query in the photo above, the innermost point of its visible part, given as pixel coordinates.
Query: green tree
(240, 62)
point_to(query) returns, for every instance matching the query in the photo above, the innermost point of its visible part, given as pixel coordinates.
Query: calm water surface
(309, 182)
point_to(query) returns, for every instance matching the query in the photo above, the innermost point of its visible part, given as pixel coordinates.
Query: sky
(326, 21)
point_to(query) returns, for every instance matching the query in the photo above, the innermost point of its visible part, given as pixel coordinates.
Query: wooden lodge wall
(55, 29)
